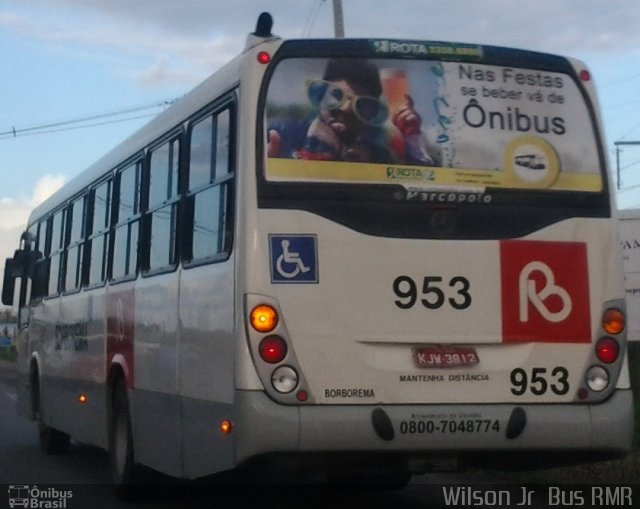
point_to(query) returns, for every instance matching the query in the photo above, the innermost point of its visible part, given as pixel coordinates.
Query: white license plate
(445, 357)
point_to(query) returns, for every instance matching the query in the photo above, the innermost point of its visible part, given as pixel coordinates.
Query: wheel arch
(118, 373)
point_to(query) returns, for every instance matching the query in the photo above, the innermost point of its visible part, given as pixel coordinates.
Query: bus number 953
(434, 294)
(539, 381)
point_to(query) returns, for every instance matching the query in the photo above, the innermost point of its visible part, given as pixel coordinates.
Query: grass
(8, 354)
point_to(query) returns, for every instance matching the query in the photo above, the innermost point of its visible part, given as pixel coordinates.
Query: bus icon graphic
(293, 258)
(18, 495)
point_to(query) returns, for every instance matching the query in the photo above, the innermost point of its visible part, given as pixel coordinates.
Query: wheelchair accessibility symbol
(293, 258)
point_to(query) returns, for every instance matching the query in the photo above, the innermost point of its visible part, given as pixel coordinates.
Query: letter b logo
(537, 297)
(545, 292)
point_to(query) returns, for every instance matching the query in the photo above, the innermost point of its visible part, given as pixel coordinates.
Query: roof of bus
(221, 81)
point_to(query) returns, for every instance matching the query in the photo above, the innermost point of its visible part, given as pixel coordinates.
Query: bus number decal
(449, 426)
(435, 292)
(538, 382)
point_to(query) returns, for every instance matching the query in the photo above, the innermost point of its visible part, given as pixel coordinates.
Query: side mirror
(12, 270)
(21, 265)
(29, 260)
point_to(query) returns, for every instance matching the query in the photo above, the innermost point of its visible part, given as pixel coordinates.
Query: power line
(621, 80)
(630, 165)
(311, 18)
(92, 120)
(620, 105)
(5, 136)
(630, 131)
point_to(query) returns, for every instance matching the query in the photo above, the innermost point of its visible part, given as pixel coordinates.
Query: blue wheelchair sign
(294, 258)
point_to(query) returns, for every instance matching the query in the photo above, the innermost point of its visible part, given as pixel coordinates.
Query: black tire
(126, 474)
(52, 441)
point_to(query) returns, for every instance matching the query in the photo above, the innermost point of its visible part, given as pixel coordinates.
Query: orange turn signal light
(226, 427)
(264, 318)
(82, 398)
(613, 321)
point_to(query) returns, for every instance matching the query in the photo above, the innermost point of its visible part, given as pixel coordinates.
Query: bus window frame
(105, 232)
(59, 252)
(80, 244)
(227, 102)
(144, 253)
(115, 222)
(37, 293)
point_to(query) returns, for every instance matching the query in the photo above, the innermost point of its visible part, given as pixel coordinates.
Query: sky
(64, 60)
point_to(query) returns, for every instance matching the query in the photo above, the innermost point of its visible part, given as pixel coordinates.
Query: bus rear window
(429, 124)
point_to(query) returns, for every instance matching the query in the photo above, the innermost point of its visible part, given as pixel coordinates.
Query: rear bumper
(264, 427)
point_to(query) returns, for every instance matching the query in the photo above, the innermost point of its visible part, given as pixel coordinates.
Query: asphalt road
(83, 474)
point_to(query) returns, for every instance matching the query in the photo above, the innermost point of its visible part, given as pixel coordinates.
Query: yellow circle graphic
(531, 162)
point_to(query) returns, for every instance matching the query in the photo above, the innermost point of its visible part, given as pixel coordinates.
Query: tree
(7, 316)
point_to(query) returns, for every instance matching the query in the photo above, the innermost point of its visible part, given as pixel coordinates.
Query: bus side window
(41, 269)
(98, 238)
(125, 244)
(56, 247)
(73, 273)
(33, 240)
(210, 179)
(163, 205)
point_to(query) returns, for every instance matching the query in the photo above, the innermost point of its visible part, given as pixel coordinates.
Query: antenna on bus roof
(263, 27)
(263, 31)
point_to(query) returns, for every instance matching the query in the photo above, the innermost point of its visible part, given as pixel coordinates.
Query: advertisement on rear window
(428, 125)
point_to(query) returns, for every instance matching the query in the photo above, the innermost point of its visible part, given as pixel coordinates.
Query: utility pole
(618, 144)
(338, 19)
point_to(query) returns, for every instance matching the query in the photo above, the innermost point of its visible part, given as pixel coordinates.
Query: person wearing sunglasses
(350, 120)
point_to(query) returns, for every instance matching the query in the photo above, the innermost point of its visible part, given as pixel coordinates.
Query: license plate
(445, 357)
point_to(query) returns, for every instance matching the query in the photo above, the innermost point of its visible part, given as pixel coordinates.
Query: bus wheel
(52, 441)
(126, 474)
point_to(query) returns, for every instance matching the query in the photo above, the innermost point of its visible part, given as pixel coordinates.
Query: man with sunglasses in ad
(350, 121)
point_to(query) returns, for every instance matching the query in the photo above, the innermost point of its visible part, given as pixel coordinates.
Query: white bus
(366, 257)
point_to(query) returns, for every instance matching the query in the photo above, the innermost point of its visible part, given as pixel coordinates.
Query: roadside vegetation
(7, 330)
(8, 354)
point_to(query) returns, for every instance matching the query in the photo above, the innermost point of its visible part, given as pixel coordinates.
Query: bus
(330, 256)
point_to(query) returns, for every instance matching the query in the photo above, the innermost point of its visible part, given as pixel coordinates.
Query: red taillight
(273, 349)
(607, 350)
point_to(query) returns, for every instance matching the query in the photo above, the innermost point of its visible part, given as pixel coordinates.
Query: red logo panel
(545, 292)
